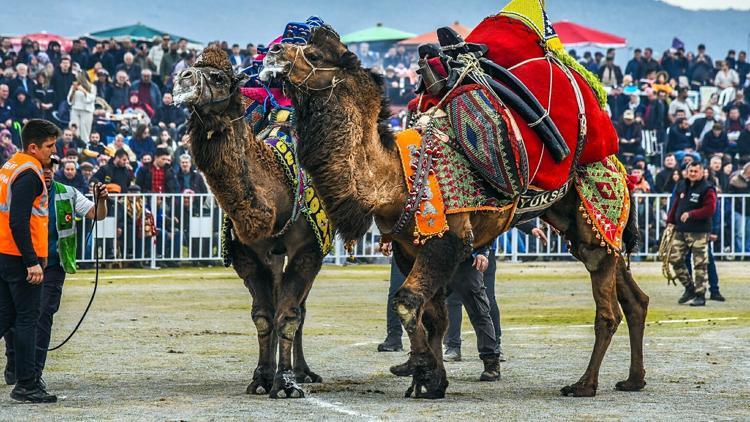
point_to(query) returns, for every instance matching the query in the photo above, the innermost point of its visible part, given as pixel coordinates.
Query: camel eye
(218, 77)
(314, 56)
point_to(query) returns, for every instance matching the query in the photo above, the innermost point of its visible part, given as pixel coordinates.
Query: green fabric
(137, 32)
(376, 33)
(66, 229)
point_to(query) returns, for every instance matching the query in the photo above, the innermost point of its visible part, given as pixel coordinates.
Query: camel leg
(302, 372)
(602, 269)
(435, 320)
(634, 304)
(259, 281)
(433, 268)
(295, 285)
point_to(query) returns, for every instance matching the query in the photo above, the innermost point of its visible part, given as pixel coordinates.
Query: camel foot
(306, 376)
(579, 390)
(428, 381)
(262, 382)
(285, 386)
(631, 385)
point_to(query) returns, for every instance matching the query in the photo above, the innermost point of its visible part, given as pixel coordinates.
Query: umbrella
(137, 32)
(376, 33)
(43, 38)
(431, 37)
(575, 35)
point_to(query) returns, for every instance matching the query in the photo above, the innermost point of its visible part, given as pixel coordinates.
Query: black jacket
(679, 140)
(169, 114)
(110, 173)
(61, 83)
(194, 181)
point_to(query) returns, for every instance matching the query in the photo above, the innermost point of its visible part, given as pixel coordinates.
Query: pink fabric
(260, 94)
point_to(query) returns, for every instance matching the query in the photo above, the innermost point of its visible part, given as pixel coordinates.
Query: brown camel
(348, 149)
(251, 188)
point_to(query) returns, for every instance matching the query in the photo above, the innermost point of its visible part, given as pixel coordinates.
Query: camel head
(317, 65)
(209, 84)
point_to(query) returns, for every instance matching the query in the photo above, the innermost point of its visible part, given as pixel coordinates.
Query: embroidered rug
(483, 136)
(602, 187)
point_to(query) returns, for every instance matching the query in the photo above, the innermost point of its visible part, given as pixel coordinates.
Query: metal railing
(160, 229)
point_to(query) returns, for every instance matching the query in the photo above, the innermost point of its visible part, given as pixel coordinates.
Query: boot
(688, 295)
(716, 296)
(452, 354)
(700, 300)
(403, 370)
(391, 344)
(491, 369)
(32, 393)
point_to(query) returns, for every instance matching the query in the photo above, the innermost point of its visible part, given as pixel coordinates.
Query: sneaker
(32, 394)
(10, 373)
(717, 297)
(491, 369)
(391, 344)
(452, 354)
(688, 295)
(700, 300)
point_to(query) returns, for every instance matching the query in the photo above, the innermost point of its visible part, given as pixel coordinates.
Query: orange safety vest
(17, 164)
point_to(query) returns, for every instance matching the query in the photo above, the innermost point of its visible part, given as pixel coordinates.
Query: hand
(684, 217)
(539, 234)
(481, 263)
(386, 248)
(713, 238)
(101, 192)
(35, 274)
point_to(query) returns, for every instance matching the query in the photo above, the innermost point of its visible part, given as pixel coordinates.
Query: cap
(86, 166)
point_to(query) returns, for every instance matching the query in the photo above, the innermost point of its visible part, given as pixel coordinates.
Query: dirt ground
(179, 344)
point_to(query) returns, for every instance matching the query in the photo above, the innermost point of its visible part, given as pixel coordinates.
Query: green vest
(66, 226)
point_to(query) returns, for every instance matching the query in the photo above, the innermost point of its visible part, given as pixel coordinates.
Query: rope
(665, 253)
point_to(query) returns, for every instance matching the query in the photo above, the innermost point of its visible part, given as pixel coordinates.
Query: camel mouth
(273, 68)
(187, 88)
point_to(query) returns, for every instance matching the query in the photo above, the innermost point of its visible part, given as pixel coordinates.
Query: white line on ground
(339, 409)
(155, 275)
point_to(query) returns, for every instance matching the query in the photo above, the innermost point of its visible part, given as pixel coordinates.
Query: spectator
(665, 181)
(130, 67)
(168, 61)
(740, 184)
(117, 171)
(79, 53)
(81, 97)
(101, 54)
(118, 97)
(22, 79)
(7, 148)
(635, 65)
(6, 109)
(183, 64)
(702, 125)
(716, 173)
(680, 138)
(680, 103)
(700, 70)
(734, 124)
(168, 115)
(94, 149)
(141, 58)
(610, 74)
(740, 104)
(165, 141)
(726, 77)
(87, 170)
(44, 95)
(629, 133)
(142, 143)
(148, 92)
(188, 178)
(103, 87)
(136, 106)
(69, 175)
(236, 56)
(742, 67)
(158, 177)
(589, 63)
(743, 144)
(157, 52)
(119, 144)
(618, 103)
(714, 141)
(640, 183)
(661, 83)
(367, 57)
(730, 60)
(23, 108)
(62, 80)
(649, 63)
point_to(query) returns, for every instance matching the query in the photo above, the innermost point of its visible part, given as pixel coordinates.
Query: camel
(251, 188)
(348, 149)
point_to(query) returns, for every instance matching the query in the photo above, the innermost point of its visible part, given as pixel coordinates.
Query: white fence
(165, 229)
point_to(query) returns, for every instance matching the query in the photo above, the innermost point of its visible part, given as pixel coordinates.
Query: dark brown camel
(347, 148)
(251, 188)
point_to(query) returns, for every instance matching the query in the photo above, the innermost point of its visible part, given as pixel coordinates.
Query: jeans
(393, 323)
(54, 277)
(19, 310)
(741, 232)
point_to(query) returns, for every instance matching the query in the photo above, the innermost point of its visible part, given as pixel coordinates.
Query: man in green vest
(66, 203)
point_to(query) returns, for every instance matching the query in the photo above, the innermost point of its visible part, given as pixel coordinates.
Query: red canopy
(431, 37)
(43, 39)
(575, 35)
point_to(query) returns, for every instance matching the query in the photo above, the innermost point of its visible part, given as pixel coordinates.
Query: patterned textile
(453, 187)
(605, 199)
(480, 130)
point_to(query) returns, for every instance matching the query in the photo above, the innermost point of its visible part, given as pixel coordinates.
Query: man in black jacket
(61, 81)
(691, 214)
(116, 171)
(680, 138)
(188, 178)
(168, 115)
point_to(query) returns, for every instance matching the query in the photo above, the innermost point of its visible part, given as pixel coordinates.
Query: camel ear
(349, 61)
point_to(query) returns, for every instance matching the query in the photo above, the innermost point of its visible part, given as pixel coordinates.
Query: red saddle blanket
(511, 42)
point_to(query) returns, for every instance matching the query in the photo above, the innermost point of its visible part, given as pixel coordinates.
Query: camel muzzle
(187, 87)
(273, 64)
